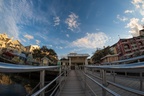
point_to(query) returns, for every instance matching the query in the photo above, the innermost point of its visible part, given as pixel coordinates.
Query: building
(141, 32)
(30, 48)
(74, 59)
(109, 58)
(10, 44)
(127, 48)
(113, 49)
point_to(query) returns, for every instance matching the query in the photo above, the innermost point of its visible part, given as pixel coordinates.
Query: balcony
(126, 50)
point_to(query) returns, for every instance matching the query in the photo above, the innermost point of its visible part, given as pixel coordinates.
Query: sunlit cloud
(122, 18)
(91, 40)
(67, 35)
(38, 42)
(59, 47)
(29, 37)
(135, 26)
(128, 11)
(23, 40)
(142, 21)
(56, 21)
(72, 22)
(15, 14)
(139, 4)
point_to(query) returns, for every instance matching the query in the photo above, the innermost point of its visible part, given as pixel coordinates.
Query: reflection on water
(12, 90)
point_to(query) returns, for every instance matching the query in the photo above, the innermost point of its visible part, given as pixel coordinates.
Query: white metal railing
(136, 59)
(135, 67)
(17, 68)
(45, 87)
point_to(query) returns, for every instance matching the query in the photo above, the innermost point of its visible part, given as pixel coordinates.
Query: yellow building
(10, 44)
(109, 58)
(31, 48)
(75, 59)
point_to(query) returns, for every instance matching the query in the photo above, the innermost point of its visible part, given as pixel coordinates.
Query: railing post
(42, 81)
(104, 82)
(100, 73)
(85, 79)
(60, 78)
(114, 74)
(141, 81)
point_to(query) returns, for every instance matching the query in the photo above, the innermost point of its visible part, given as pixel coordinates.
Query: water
(12, 90)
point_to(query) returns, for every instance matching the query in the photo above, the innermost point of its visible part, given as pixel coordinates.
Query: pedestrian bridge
(90, 80)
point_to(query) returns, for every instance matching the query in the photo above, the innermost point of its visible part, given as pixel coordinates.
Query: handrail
(55, 89)
(125, 60)
(130, 59)
(91, 89)
(41, 90)
(34, 88)
(138, 67)
(13, 68)
(128, 89)
(122, 87)
(102, 86)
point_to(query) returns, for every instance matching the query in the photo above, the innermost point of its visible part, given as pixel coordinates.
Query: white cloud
(122, 18)
(15, 14)
(56, 21)
(139, 4)
(134, 26)
(50, 45)
(37, 42)
(67, 35)
(72, 22)
(28, 36)
(128, 11)
(142, 20)
(59, 47)
(23, 40)
(91, 40)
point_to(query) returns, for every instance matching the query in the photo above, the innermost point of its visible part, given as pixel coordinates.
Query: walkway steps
(72, 86)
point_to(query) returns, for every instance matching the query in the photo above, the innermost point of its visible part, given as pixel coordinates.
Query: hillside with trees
(99, 53)
(45, 52)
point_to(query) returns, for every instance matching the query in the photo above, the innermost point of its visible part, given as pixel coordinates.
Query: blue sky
(67, 26)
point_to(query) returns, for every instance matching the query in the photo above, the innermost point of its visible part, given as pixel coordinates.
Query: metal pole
(70, 63)
(42, 81)
(114, 76)
(141, 82)
(104, 82)
(85, 80)
(60, 77)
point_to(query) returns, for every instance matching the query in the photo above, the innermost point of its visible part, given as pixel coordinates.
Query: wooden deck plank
(72, 86)
(125, 81)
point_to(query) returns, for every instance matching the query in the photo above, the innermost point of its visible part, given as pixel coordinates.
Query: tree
(45, 52)
(99, 53)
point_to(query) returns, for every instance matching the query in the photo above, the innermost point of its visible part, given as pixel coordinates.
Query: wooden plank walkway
(72, 86)
(128, 82)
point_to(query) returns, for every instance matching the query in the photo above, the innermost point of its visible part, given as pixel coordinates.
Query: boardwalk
(72, 86)
(122, 80)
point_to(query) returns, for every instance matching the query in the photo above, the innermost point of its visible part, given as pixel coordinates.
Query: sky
(68, 26)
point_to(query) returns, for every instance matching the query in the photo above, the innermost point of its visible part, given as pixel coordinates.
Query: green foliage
(45, 52)
(96, 58)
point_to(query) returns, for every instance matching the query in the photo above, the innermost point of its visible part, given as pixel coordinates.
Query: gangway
(79, 83)
(72, 86)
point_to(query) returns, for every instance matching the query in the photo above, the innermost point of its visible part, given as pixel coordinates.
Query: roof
(109, 56)
(77, 55)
